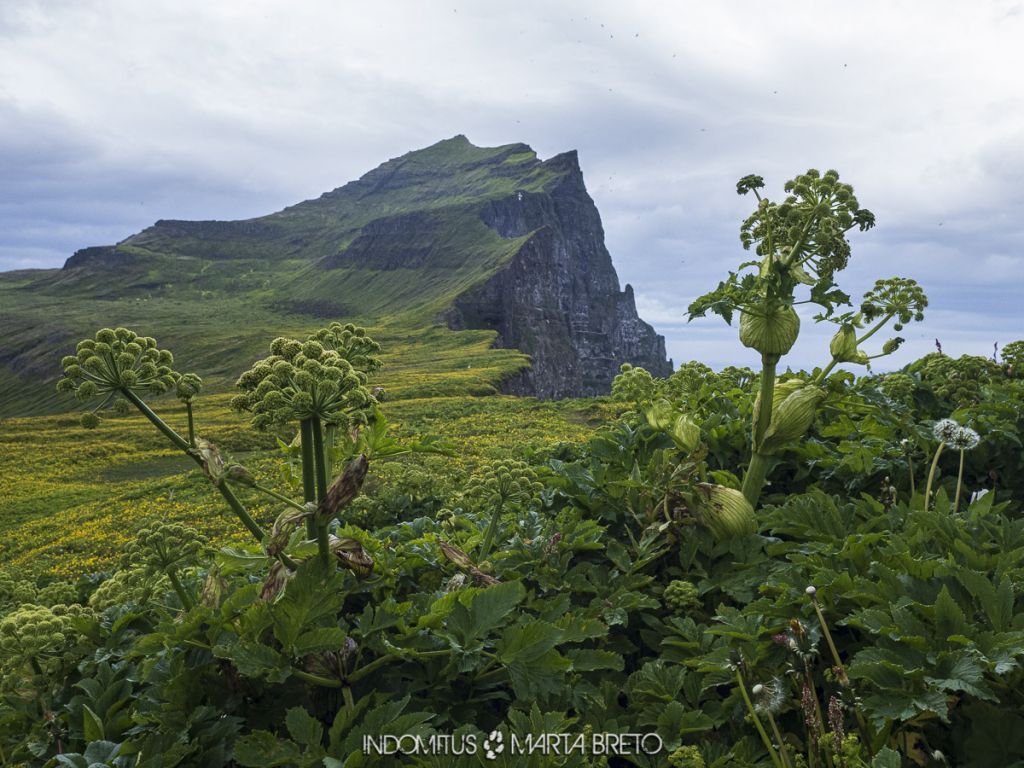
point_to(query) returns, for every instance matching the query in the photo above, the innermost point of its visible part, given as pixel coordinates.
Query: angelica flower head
(945, 430)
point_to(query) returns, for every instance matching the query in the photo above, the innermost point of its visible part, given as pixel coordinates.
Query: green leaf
(255, 660)
(91, 725)
(322, 639)
(303, 727)
(487, 609)
(886, 758)
(527, 642)
(949, 619)
(590, 659)
(261, 749)
(316, 591)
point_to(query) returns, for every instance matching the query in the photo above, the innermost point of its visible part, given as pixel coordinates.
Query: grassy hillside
(390, 250)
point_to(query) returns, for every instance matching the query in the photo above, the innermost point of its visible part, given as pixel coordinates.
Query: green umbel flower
(300, 381)
(680, 595)
(352, 344)
(116, 362)
(164, 548)
(686, 757)
(34, 631)
(135, 586)
(503, 483)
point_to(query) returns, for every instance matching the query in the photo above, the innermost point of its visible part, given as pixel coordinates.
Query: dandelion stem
(757, 721)
(931, 476)
(783, 752)
(959, 483)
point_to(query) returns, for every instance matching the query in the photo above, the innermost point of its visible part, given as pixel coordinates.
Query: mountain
(466, 237)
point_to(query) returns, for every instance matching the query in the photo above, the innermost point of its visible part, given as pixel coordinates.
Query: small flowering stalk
(963, 439)
(772, 753)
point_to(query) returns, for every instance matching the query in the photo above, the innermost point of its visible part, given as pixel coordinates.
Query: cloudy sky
(115, 114)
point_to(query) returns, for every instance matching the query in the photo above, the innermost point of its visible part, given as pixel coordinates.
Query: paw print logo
(494, 744)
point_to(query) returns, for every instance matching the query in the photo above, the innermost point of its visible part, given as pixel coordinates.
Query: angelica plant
(311, 383)
(800, 242)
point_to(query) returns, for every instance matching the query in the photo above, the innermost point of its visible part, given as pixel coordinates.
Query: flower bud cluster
(34, 631)
(129, 586)
(958, 380)
(116, 361)
(686, 757)
(15, 591)
(300, 381)
(680, 595)
(898, 387)
(503, 482)
(188, 386)
(352, 344)
(57, 593)
(900, 297)
(163, 548)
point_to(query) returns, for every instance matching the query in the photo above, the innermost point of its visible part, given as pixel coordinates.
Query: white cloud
(117, 113)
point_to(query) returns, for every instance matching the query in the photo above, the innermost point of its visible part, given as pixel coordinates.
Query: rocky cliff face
(558, 299)
(476, 237)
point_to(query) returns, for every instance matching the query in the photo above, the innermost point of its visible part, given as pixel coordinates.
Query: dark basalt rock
(559, 298)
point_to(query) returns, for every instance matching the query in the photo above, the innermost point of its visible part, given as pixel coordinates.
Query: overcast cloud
(115, 114)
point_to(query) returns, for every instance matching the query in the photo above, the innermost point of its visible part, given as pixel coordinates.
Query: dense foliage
(868, 613)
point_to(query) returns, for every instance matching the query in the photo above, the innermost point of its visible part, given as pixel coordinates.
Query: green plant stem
(157, 422)
(931, 476)
(323, 544)
(308, 471)
(350, 703)
(240, 511)
(323, 682)
(280, 497)
(757, 469)
(783, 752)
(180, 442)
(910, 466)
(959, 483)
(191, 425)
(186, 601)
(492, 529)
(757, 721)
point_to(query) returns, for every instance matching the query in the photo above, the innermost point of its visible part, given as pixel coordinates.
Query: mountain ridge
(429, 237)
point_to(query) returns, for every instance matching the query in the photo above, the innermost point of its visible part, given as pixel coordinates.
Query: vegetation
(333, 573)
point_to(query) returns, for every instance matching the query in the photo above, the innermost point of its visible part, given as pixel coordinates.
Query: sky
(115, 114)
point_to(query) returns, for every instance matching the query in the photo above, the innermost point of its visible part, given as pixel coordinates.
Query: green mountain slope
(395, 250)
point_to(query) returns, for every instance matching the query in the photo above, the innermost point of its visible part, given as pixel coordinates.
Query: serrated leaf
(949, 619)
(886, 758)
(303, 727)
(527, 642)
(315, 592)
(255, 660)
(261, 749)
(321, 639)
(487, 609)
(590, 659)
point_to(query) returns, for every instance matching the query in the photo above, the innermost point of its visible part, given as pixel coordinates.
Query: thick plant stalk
(757, 470)
(191, 426)
(492, 529)
(182, 443)
(308, 471)
(186, 601)
(320, 457)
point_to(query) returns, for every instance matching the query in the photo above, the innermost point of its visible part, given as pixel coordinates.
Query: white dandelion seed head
(965, 439)
(945, 430)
